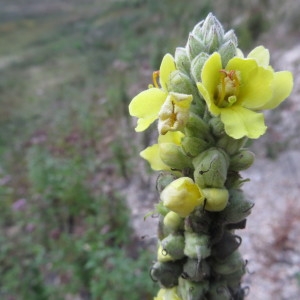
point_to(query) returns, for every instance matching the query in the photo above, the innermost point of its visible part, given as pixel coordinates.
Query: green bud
(192, 146)
(227, 52)
(194, 46)
(182, 61)
(231, 264)
(196, 246)
(215, 199)
(211, 168)
(241, 160)
(162, 230)
(211, 22)
(213, 38)
(192, 290)
(231, 145)
(217, 126)
(233, 280)
(231, 36)
(173, 156)
(173, 221)
(196, 127)
(173, 244)
(166, 273)
(218, 291)
(181, 83)
(196, 271)
(197, 65)
(199, 221)
(198, 30)
(238, 207)
(226, 246)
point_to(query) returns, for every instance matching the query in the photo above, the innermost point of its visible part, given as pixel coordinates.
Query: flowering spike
(208, 101)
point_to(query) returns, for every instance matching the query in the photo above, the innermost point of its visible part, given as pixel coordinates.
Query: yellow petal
(146, 106)
(152, 155)
(261, 55)
(174, 137)
(167, 294)
(182, 196)
(255, 82)
(282, 87)
(210, 74)
(214, 109)
(240, 122)
(166, 68)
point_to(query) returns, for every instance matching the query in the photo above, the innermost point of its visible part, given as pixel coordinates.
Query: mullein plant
(208, 99)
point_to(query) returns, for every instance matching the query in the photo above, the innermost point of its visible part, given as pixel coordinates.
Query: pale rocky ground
(271, 240)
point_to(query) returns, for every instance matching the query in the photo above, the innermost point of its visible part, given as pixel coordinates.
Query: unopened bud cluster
(200, 152)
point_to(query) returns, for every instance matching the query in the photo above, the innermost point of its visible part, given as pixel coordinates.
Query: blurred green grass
(67, 72)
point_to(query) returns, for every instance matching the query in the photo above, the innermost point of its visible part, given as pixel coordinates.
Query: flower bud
(231, 145)
(192, 146)
(173, 156)
(182, 61)
(182, 196)
(241, 160)
(173, 221)
(215, 199)
(196, 271)
(197, 64)
(212, 22)
(226, 246)
(217, 126)
(196, 246)
(231, 36)
(181, 83)
(163, 255)
(196, 126)
(227, 51)
(231, 264)
(166, 273)
(198, 30)
(167, 294)
(192, 290)
(233, 280)
(199, 221)
(194, 46)
(211, 168)
(173, 244)
(213, 38)
(238, 207)
(218, 291)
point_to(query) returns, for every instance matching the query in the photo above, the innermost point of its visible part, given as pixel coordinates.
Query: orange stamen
(155, 75)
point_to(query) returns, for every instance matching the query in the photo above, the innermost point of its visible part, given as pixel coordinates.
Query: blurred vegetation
(68, 71)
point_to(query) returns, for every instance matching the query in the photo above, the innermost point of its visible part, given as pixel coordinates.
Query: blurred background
(73, 190)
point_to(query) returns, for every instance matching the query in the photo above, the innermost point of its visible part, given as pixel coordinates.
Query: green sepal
(173, 244)
(166, 273)
(211, 168)
(192, 146)
(238, 207)
(196, 246)
(241, 160)
(192, 290)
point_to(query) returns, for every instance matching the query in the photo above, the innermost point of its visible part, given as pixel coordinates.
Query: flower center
(228, 88)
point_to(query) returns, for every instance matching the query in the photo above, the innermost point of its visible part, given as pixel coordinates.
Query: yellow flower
(182, 196)
(159, 103)
(153, 153)
(167, 294)
(245, 85)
